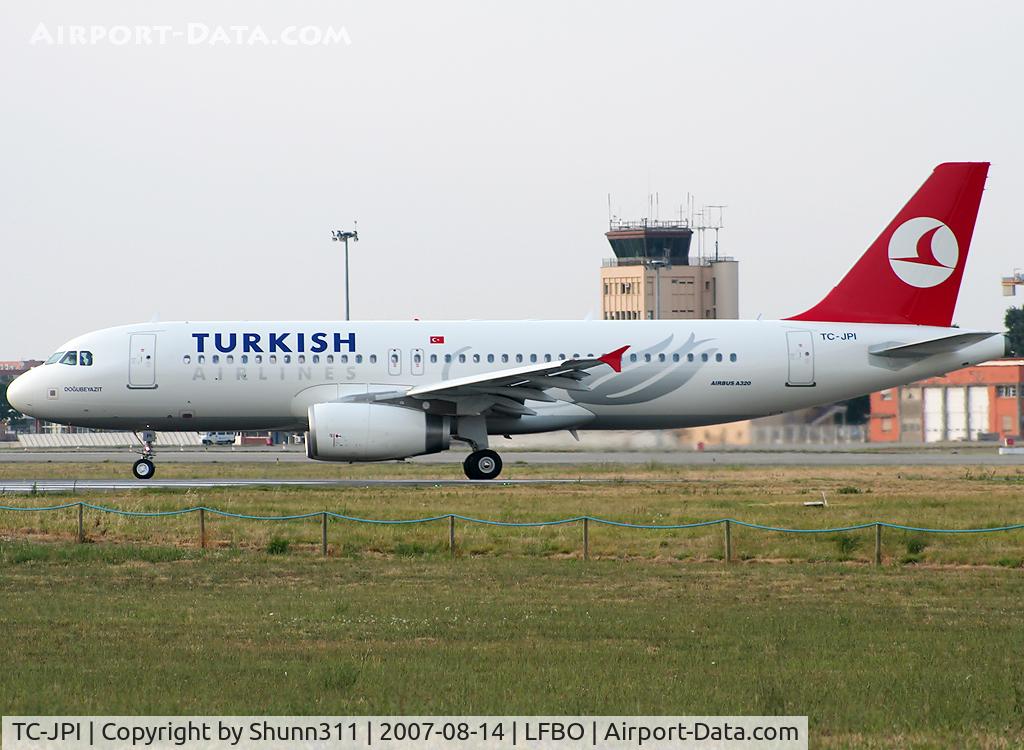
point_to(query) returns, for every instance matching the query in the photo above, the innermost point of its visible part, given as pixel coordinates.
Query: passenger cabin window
(476, 357)
(301, 359)
(215, 358)
(632, 358)
(69, 358)
(287, 359)
(373, 359)
(732, 357)
(230, 359)
(359, 359)
(201, 359)
(187, 359)
(85, 358)
(718, 357)
(433, 359)
(462, 358)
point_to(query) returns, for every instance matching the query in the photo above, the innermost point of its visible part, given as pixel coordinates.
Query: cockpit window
(69, 358)
(55, 357)
(85, 358)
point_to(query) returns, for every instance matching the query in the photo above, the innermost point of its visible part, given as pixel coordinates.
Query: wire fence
(325, 515)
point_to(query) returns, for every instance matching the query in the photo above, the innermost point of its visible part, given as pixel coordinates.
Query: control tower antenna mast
(716, 225)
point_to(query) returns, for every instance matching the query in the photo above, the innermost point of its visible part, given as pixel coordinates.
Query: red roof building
(982, 402)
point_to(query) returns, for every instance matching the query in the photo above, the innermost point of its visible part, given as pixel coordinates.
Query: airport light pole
(339, 235)
(657, 264)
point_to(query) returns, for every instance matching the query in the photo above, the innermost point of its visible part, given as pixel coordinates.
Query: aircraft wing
(927, 348)
(505, 391)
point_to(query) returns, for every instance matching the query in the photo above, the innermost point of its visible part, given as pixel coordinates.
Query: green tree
(1014, 321)
(857, 409)
(7, 412)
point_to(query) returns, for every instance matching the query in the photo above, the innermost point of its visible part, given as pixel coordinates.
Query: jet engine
(350, 431)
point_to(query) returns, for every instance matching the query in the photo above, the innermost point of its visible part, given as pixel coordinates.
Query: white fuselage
(265, 375)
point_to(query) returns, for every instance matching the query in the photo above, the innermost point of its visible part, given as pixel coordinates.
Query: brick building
(10, 369)
(982, 402)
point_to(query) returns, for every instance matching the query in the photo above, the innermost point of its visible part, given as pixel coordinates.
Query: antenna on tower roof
(716, 225)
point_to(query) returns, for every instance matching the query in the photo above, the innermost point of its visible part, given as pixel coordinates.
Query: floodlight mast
(339, 235)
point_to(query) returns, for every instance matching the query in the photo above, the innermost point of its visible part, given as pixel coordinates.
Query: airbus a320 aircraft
(391, 390)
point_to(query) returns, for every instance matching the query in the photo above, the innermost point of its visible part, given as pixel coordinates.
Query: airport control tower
(656, 275)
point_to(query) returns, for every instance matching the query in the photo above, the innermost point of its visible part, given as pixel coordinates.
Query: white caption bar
(403, 732)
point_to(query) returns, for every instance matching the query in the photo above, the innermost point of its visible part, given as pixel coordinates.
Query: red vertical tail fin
(912, 272)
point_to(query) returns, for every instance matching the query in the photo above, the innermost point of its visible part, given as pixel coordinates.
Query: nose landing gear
(144, 468)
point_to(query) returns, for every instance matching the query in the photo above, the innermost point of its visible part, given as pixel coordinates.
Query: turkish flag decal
(437, 339)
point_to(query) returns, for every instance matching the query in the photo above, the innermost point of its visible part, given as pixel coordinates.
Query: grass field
(926, 651)
(896, 657)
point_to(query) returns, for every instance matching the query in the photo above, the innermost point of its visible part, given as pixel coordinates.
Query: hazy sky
(476, 143)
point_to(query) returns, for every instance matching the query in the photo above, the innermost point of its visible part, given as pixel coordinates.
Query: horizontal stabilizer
(927, 348)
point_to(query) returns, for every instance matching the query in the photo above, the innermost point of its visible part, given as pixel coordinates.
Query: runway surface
(560, 463)
(75, 485)
(947, 457)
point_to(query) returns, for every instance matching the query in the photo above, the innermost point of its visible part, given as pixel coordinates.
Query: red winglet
(614, 359)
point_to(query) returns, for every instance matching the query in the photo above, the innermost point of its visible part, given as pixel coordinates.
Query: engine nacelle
(373, 432)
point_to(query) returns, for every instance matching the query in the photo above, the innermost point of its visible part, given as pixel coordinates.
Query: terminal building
(656, 276)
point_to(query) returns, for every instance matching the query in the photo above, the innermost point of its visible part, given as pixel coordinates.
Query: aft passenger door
(800, 345)
(142, 361)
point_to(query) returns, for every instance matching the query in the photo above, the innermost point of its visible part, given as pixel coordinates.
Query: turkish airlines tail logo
(923, 252)
(911, 274)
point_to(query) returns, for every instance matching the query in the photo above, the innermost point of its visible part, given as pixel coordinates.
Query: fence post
(586, 538)
(878, 543)
(728, 540)
(323, 533)
(81, 524)
(451, 534)
(202, 528)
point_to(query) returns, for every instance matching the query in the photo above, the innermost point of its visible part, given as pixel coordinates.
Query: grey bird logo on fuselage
(646, 380)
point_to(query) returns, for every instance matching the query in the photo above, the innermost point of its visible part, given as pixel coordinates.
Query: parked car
(218, 438)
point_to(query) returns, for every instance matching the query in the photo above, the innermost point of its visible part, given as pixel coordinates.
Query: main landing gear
(485, 464)
(482, 463)
(144, 468)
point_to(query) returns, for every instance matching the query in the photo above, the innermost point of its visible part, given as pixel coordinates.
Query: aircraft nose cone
(16, 394)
